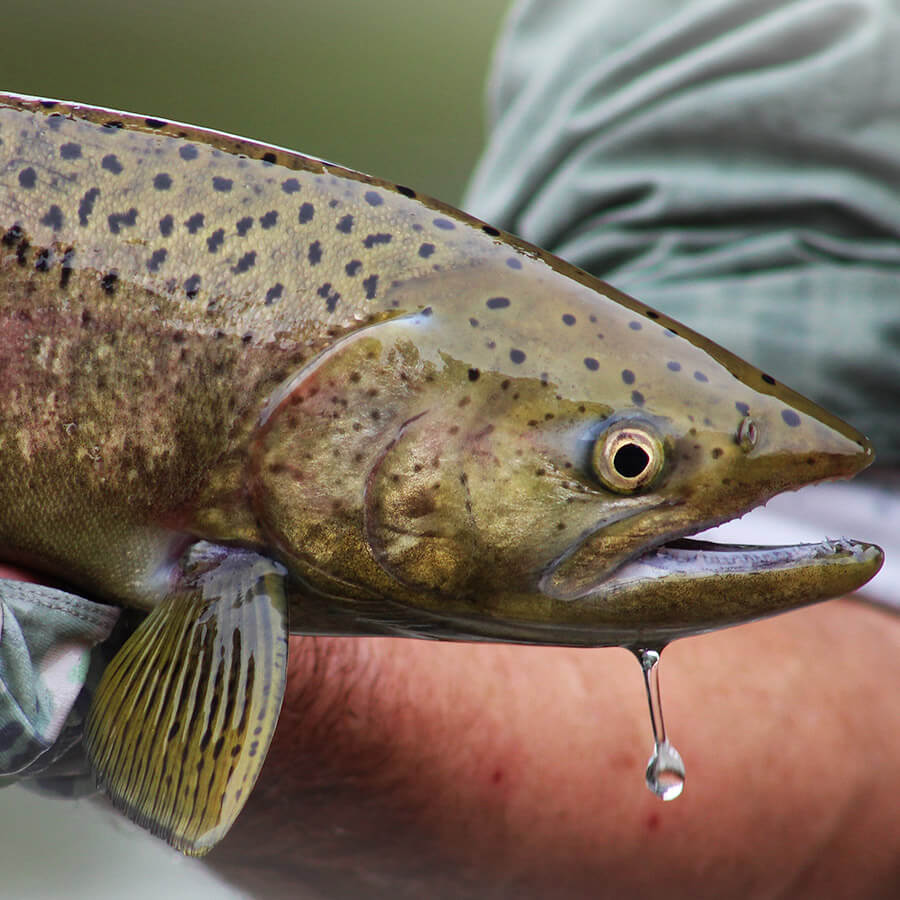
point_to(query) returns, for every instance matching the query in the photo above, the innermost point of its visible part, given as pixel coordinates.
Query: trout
(251, 392)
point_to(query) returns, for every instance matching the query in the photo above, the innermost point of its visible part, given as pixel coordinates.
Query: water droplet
(665, 770)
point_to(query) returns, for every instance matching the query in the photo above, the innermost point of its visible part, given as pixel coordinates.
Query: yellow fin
(185, 712)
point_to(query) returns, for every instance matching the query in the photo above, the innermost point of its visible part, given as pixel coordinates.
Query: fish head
(520, 453)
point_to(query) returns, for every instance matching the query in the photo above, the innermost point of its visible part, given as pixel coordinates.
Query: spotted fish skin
(206, 338)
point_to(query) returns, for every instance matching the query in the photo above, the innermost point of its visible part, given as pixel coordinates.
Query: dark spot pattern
(187, 152)
(70, 151)
(444, 224)
(222, 185)
(245, 263)
(514, 263)
(407, 192)
(700, 376)
(568, 319)
(117, 221)
(273, 293)
(27, 178)
(345, 224)
(269, 158)
(353, 267)
(270, 219)
(13, 236)
(489, 229)
(425, 250)
(162, 181)
(215, 240)
(42, 260)
(109, 282)
(111, 163)
(194, 223)
(373, 198)
(637, 398)
(371, 286)
(768, 379)
(157, 258)
(192, 286)
(673, 366)
(497, 303)
(790, 418)
(473, 322)
(651, 314)
(155, 123)
(329, 296)
(474, 374)
(68, 265)
(627, 376)
(244, 225)
(742, 408)
(591, 363)
(372, 240)
(53, 218)
(314, 254)
(635, 326)
(86, 205)
(55, 121)
(517, 356)
(307, 211)
(290, 185)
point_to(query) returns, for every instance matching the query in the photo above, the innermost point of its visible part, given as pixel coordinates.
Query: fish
(250, 392)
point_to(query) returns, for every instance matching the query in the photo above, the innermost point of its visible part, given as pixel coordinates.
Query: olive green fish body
(237, 380)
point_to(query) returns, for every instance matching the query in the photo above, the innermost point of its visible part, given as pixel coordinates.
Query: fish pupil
(630, 460)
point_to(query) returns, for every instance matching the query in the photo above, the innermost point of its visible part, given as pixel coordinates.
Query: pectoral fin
(185, 712)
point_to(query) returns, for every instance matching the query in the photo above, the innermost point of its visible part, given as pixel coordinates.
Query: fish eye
(627, 457)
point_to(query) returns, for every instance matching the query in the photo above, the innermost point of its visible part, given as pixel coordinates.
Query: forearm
(403, 767)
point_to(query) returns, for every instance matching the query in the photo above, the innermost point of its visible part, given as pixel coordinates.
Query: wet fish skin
(369, 402)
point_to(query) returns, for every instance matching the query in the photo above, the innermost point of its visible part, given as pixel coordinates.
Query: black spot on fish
(373, 198)
(315, 253)
(215, 240)
(162, 181)
(673, 366)
(245, 263)
(194, 223)
(269, 158)
(330, 297)
(425, 250)
(444, 224)
(156, 260)
(635, 326)
(372, 239)
(188, 152)
(119, 220)
(270, 219)
(627, 376)
(27, 178)
(353, 267)
(192, 286)
(651, 314)
(700, 376)
(371, 286)
(345, 224)
(333, 202)
(473, 322)
(568, 319)
(290, 185)
(68, 264)
(111, 163)
(517, 356)
(53, 218)
(514, 263)
(307, 211)
(407, 192)
(244, 225)
(223, 185)
(497, 303)
(669, 332)
(742, 408)
(154, 123)
(768, 379)
(790, 417)
(474, 374)
(86, 205)
(273, 293)
(42, 260)
(489, 229)
(109, 282)
(13, 236)
(55, 121)
(70, 151)
(22, 251)
(637, 398)
(591, 363)
(48, 104)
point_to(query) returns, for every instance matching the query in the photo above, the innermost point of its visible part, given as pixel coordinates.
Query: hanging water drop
(665, 770)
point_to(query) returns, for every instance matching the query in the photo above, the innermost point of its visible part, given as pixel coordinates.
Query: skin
(369, 790)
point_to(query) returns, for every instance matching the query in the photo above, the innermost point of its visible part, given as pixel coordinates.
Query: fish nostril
(747, 434)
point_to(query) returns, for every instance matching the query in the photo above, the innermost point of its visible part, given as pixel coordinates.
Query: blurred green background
(393, 88)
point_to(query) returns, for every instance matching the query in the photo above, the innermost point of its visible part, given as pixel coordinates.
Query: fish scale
(248, 391)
